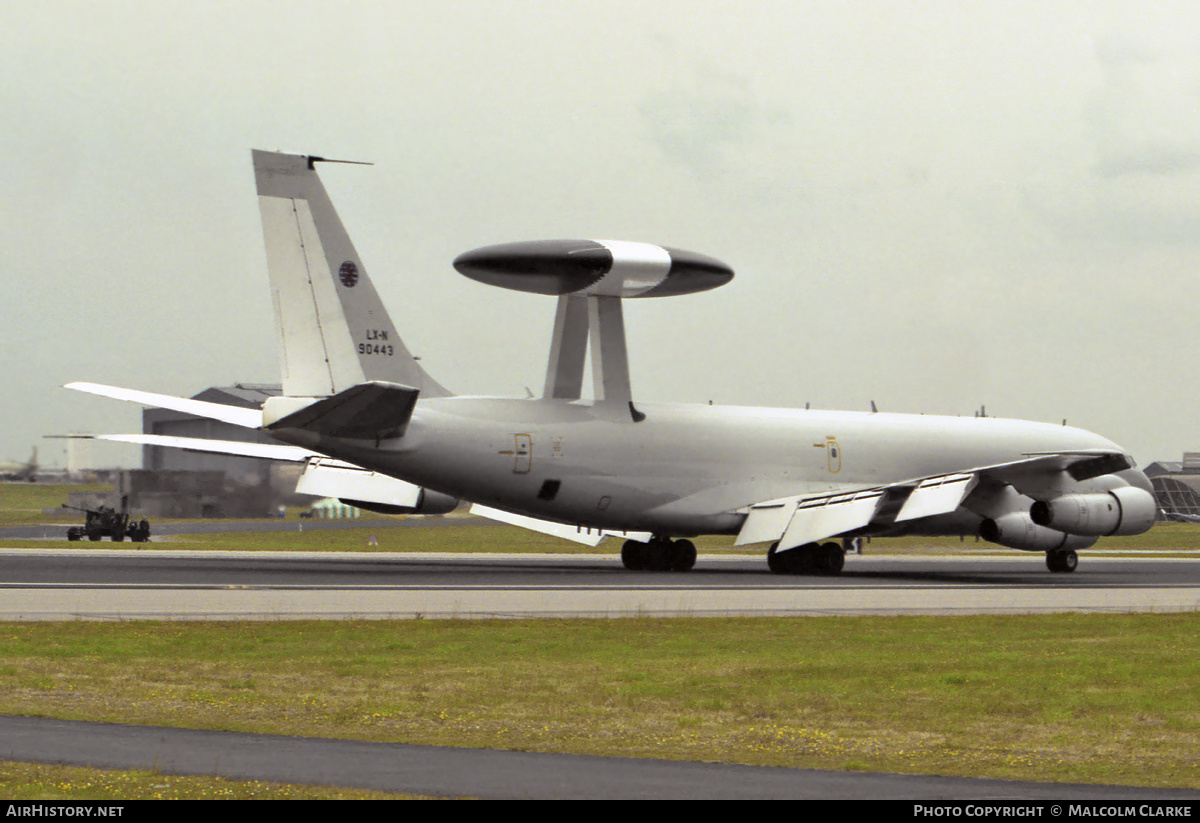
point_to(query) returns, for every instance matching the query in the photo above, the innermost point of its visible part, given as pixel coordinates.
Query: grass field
(24, 503)
(1084, 698)
(38, 781)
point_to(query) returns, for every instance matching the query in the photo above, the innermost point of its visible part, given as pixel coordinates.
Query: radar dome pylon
(590, 279)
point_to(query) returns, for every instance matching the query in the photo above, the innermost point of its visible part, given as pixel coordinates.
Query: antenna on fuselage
(590, 279)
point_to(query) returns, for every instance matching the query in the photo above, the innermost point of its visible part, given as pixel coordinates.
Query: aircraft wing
(794, 521)
(1041, 475)
(237, 415)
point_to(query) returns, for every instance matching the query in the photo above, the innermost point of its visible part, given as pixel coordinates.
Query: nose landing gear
(1062, 561)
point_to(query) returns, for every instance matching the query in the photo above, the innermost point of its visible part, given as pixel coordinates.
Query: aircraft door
(524, 454)
(833, 454)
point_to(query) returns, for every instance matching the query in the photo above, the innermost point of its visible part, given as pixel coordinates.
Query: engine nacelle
(1018, 531)
(1127, 510)
(375, 492)
(428, 502)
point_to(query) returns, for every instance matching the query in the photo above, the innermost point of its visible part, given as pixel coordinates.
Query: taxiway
(70, 584)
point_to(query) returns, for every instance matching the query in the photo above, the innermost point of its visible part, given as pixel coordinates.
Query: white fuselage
(683, 469)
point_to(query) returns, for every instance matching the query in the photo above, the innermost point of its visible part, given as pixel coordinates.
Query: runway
(88, 584)
(133, 584)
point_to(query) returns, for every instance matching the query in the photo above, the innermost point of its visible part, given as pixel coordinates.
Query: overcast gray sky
(932, 205)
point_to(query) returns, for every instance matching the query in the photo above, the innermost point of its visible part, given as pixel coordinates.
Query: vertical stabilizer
(334, 332)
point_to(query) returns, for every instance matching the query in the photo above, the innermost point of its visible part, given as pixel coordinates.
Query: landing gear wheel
(830, 559)
(1062, 561)
(776, 562)
(659, 555)
(633, 555)
(800, 560)
(807, 560)
(683, 555)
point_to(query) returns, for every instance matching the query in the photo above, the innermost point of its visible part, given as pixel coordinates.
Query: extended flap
(766, 522)
(817, 519)
(937, 495)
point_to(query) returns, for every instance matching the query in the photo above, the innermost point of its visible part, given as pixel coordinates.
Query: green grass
(23, 503)
(1082, 698)
(27, 781)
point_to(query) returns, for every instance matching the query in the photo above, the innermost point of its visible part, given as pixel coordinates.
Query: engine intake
(1127, 510)
(428, 502)
(1018, 531)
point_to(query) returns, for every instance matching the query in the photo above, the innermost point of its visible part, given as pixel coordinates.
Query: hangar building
(1177, 485)
(179, 424)
(179, 483)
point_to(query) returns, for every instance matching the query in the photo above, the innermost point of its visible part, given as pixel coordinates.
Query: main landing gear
(661, 554)
(1062, 561)
(811, 558)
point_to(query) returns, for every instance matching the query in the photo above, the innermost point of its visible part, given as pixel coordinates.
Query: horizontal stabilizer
(237, 415)
(578, 534)
(322, 477)
(369, 411)
(265, 451)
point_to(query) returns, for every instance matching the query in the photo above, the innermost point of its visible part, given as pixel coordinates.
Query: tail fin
(334, 332)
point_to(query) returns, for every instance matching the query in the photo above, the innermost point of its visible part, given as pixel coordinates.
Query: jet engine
(356, 486)
(428, 502)
(1127, 510)
(1018, 531)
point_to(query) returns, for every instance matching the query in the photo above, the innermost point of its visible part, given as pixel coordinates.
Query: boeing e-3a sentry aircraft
(377, 429)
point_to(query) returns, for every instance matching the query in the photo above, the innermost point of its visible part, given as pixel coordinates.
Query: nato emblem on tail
(333, 330)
